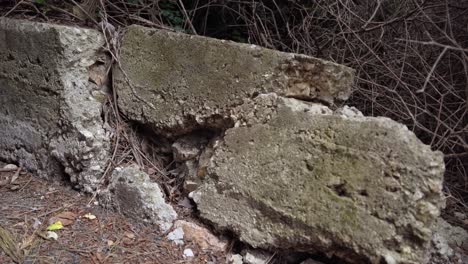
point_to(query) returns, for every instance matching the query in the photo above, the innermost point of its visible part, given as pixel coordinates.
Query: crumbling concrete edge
(84, 156)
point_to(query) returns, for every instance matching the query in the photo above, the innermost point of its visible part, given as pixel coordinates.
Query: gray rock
(132, 193)
(10, 167)
(364, 189)
(256, 256)
(181, 82)
(188, 253)
(176, 236)
(235, 259)
(49, 121)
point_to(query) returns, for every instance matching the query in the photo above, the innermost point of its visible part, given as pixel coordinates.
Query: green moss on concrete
(190, 78)
(324, 182)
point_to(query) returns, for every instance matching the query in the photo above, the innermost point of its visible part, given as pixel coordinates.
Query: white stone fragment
(176, 236)
(188, 253)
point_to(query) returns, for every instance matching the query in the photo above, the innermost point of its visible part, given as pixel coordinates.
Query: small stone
(176, 236)
(14, 187)
(133, 193)
(10, 167)
(236, 259)
(253, 256)
(188, 253)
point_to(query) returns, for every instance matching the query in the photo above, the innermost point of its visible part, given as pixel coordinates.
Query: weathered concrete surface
(449, 244)
(49, 121)
(194, 81)
(133, 193)
(365, 189)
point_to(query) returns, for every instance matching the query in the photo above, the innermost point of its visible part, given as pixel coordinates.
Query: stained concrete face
(177, 82)
(49, 121)
(365, 189)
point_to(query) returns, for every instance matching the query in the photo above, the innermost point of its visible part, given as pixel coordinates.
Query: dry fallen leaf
(66, 218)
(89, 216)
(129, 235)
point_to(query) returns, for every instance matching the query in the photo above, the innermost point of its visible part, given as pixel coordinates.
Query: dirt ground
(29, 205)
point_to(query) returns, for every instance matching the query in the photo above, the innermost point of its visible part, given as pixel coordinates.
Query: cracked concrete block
(132, 192)
(49, 121)
(177, 82)
(361, 188)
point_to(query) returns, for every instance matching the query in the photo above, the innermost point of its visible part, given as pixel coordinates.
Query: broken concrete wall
(49, 120)
(280, 171)
(284, 173)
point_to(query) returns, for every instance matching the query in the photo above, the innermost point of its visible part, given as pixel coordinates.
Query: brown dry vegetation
(411, 56)
(28, 205)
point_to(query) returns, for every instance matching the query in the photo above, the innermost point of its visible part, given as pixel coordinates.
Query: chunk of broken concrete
(188, 253)
(364, 189)
(49, 122)
(133, 193)
(175, 82)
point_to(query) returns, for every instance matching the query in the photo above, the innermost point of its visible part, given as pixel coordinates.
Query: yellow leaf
(90, 216)
(55, 226)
